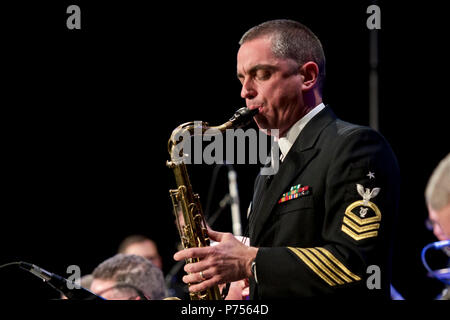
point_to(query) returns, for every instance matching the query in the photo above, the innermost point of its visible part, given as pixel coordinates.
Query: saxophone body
(187, 208)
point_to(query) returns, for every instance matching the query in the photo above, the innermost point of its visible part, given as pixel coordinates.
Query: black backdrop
(87, 116)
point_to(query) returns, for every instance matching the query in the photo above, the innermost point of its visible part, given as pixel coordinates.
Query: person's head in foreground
(128, 277)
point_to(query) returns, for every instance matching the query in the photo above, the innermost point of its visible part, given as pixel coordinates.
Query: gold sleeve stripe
(312, 266)
(338, 263)
(321, 266)
(358, 237)
(359, 229)
(330, 265)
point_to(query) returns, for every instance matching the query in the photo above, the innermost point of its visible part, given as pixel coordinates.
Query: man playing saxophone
(327, 214)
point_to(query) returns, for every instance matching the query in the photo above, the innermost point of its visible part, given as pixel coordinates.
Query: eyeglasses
(120, 286)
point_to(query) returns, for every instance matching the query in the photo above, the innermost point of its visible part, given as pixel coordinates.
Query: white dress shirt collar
(285, 143)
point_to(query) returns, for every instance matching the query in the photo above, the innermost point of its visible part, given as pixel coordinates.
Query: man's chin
(270, 132)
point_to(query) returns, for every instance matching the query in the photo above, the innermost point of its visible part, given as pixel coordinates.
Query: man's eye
(263, 74)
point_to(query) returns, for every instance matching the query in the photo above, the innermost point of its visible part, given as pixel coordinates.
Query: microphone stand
(226, 200)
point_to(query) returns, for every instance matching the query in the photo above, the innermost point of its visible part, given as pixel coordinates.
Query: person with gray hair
(128, 277)
(437, 197)
(327, 215)
(291, 40)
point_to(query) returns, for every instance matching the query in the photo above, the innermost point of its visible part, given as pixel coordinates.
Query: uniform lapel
(301, 153)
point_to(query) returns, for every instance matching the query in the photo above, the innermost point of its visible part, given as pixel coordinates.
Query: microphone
(235, 211)
(60, 284)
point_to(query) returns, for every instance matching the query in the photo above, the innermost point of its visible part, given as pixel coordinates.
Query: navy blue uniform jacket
(324, 221)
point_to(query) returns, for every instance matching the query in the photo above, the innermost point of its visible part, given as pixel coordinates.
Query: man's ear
(310, 74)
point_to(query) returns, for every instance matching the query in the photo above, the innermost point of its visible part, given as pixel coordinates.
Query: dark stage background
(87, 116)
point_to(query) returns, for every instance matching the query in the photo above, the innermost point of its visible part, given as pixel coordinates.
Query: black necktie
(258, 197)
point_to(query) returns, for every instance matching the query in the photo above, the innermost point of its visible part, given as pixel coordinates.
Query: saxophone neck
(241, 118)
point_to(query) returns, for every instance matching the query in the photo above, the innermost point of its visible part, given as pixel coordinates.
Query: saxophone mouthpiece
(243, 117)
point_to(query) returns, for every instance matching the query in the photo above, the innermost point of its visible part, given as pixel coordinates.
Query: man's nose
(438, 232)
(248, 91)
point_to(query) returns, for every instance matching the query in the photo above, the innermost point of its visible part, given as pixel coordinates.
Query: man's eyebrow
(257, 67)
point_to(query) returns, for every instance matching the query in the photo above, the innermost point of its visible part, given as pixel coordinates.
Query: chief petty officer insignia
(361, 217)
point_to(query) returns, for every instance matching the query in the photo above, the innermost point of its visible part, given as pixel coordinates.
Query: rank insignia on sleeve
(294, 193)
(361, 217)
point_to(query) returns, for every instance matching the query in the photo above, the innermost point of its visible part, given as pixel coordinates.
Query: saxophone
(186, 204)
